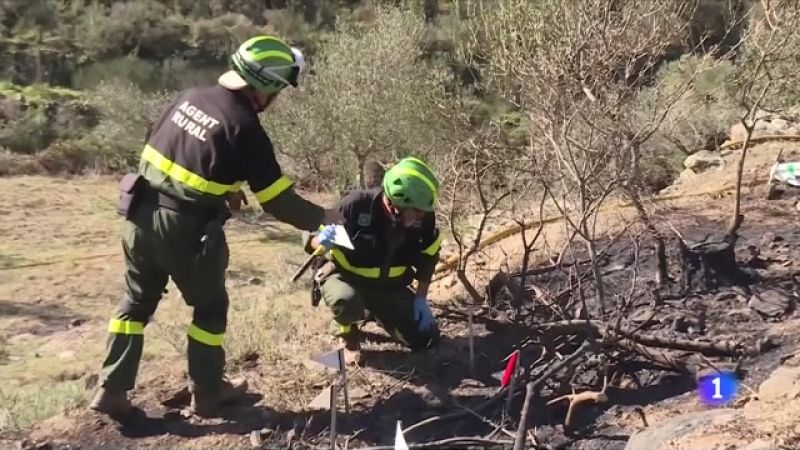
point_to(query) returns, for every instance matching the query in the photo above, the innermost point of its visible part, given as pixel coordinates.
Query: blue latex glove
(422, 314)
(325, 237)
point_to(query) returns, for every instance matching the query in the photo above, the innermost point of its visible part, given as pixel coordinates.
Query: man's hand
(235, 200)
(422, 314)
(325, 237)
(332, 216)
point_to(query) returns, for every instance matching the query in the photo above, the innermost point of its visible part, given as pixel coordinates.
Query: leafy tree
(369, 95)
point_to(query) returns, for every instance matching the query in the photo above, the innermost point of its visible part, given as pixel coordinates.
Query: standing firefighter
(393, 229)
(205, 145)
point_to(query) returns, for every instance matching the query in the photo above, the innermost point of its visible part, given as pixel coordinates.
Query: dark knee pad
(425, 340)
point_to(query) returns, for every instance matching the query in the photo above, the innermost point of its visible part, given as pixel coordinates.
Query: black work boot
(352, 346)
(206, 404)
(112, 403)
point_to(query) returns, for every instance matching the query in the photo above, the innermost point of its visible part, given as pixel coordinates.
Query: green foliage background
(81, 78)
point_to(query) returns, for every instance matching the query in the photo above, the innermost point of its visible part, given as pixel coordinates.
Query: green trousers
(159, 243)
(391, 306)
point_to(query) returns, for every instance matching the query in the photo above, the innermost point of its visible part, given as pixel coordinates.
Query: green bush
(28, 134)
(218, 36)
(37, 115)
(144, 27)
(124, 69)
(17, 164)
(702, 114)
(115, 143)
(369, 95)
(126, 113)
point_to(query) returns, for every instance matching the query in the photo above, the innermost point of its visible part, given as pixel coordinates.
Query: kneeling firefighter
(198, 154)
(396, 241)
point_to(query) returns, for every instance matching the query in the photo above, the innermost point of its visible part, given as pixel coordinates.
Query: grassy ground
(61, 277)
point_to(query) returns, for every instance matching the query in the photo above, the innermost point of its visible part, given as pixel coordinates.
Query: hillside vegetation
(82, 78)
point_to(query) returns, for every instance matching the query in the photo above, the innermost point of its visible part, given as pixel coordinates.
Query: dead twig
(488, 403)
(483, 419)
(577, 399)
(546, 269)
(717, 348)
(533, 386)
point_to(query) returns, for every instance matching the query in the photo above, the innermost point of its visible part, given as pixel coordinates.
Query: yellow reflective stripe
(267, 53)
(203, 336)
(421, 163)
(433, 248)
(366, 272)
(125, 327)
(422, 177)
(273, 190)
(342, 329)
(181, 174)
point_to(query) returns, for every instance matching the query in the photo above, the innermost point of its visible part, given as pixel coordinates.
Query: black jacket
(384, 251)
(207, 143)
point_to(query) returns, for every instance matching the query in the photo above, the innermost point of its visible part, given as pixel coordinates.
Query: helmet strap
(391, 210)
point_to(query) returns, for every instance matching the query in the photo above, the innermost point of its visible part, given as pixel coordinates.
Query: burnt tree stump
(710, 264)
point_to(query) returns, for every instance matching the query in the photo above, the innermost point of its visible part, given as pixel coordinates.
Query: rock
(738, 312)
(784, 382)
(760, 444)
(771, 240)
(737, 132)
(679, 325)
(91, 382)
(257, 437)
(659, 435)
(703, 160)
(642, 315)
(771, 303)
(256, 440)
(686, 175)
(768, 125)
(731, 294)
(433, 399)
(66, 354)
(467, 383)
(779, 126)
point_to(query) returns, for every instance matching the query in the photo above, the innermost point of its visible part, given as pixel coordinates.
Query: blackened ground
(397, 385)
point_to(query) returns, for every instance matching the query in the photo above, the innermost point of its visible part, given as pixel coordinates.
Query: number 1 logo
(718, 389)
(717, 381)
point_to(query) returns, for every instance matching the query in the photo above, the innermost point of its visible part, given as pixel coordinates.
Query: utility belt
(134, 188)
(322, 269)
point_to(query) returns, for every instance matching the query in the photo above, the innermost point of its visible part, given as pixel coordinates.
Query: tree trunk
(738, 217)
(431, 10)
(710, 264)
(598, 277)
(362, 178)
(311, 11)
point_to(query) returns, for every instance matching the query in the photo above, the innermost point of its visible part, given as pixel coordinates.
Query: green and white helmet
(411, 184)
(265, 63)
